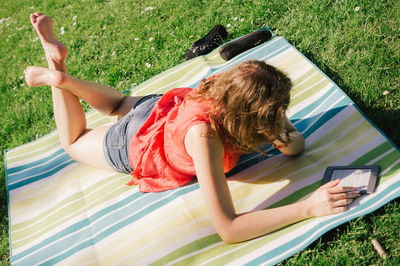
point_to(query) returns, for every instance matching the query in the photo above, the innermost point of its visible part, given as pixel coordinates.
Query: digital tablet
(363, 178)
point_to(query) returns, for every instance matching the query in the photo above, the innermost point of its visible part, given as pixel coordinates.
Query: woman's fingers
(346, 195)
(331, 184)
(331, 198)
(339, 209)
(339, 189)
(342, 203)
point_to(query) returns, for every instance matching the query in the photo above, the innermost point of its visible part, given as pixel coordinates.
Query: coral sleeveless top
(157, 151)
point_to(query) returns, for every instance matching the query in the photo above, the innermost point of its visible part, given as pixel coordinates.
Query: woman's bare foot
(38, 76)
(56, 52)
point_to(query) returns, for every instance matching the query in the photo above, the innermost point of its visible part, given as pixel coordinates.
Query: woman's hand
(330, 199)
(294, 138)
(295, 145)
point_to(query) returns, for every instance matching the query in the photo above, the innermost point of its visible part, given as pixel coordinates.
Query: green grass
(359, 50)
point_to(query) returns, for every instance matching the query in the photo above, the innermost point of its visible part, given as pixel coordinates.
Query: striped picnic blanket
(64, 212)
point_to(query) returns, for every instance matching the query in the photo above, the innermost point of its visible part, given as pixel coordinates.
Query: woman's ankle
(58, 78)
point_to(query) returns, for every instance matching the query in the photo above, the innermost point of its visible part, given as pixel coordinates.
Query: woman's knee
(74, 147)
(125, 105)
(72, 150)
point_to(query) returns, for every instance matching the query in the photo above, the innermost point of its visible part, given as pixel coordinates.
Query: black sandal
(206, 44)
(244, 43)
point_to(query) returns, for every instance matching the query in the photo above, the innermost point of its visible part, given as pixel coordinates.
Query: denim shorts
(117, 138)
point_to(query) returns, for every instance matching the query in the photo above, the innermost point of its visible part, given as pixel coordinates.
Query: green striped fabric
(68, 213)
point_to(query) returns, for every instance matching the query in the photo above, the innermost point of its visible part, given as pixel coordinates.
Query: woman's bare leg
(103, 98)
(82, 144)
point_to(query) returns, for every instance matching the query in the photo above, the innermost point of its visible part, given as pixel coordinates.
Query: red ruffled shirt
(157, 151)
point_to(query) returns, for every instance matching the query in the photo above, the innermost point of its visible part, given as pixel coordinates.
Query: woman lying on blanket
(166, 141)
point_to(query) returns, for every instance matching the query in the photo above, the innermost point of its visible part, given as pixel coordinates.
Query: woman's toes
(34, 17)
(37, 14)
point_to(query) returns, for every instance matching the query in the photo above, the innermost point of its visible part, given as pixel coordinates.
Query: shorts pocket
(117, 138)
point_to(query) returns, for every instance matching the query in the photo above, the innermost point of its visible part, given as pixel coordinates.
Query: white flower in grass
(241, 20)
(74, 17)
(62, 31)
(3, 20)
(113, 53)
(151, 39)
(136, 39)
(385, 93)
(357, 8)
(228, 25)
(235, 18)
(148, 65)
(149, 8)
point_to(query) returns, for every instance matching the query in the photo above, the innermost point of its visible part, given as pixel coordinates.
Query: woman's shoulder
(203, 130)
(202, 136)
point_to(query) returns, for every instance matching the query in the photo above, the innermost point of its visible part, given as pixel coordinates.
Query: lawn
(123, 43)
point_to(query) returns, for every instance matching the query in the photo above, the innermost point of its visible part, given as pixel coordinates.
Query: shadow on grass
(362, 230)
(381, 117)
(385, 121)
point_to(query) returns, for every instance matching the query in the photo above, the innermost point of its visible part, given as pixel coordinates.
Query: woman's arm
(296, 141)
(206, 149)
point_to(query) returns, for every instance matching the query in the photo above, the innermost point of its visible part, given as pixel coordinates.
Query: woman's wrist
(306, 211)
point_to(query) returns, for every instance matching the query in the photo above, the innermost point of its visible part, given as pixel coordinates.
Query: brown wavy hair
(249, 104)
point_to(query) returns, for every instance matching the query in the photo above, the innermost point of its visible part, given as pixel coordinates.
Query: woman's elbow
(229, 235)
